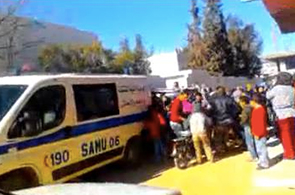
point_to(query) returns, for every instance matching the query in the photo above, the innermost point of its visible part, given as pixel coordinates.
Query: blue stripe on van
(76, 131)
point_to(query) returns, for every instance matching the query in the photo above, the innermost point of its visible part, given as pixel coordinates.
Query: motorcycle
(184, 150)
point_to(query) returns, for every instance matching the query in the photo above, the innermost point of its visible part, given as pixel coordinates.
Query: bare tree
(12, 32)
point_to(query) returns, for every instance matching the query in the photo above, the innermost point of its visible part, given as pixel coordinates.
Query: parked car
(96, 189)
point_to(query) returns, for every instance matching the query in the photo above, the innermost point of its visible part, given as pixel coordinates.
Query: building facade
(279, 62)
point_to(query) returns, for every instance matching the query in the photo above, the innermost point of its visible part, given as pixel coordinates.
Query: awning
(279, 56)
(283, 11)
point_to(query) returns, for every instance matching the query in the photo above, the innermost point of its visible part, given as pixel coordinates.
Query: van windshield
(8, 96)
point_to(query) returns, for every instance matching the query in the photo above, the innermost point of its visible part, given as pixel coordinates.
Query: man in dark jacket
(225, 111)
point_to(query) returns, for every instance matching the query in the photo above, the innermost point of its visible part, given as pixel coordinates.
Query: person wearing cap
(249, 90)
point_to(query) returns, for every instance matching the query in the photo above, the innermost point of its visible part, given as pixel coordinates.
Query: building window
(96, 101)
(44, 110)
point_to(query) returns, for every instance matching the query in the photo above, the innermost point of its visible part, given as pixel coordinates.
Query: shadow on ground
(121, 174)
(275, 160)
(148, 170)
(231, 152)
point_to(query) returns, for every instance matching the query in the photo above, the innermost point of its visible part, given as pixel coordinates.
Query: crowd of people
(223, 119)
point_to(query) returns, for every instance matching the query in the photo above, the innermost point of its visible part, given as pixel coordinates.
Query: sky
(162, 23)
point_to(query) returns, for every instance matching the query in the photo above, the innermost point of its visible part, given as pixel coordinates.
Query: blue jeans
(159, 151)
(250, 142)
(262, 152)
(177, 128)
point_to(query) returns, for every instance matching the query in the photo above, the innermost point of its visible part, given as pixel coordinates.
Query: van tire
(19, 179)
(132, 153)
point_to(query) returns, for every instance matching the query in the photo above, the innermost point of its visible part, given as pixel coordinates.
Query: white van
(55, 128)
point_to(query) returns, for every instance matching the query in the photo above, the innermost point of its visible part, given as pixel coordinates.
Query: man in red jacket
(259, 131)
(176, 114)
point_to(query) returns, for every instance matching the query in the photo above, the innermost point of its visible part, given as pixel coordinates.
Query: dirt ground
(230, 175)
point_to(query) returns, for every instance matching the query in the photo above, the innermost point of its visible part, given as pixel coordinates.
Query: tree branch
(29, 45)
(15, 26)
(11, 11)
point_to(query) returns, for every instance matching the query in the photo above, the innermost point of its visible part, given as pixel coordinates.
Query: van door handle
(12, 150)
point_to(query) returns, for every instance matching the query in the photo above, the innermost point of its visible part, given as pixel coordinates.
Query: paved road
(117, 173)
(230, 175)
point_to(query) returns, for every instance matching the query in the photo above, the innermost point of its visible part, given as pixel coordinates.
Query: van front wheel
(132, 153)
(19, 179)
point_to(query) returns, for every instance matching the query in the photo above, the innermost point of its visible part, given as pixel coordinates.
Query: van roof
(32, 79)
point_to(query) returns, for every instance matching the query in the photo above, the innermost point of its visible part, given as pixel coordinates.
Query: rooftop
(32, 79)
(283, 11)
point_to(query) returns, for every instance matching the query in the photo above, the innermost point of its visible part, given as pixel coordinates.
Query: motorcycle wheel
(180, 163)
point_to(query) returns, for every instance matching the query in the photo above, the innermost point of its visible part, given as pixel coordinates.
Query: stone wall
(193, 77)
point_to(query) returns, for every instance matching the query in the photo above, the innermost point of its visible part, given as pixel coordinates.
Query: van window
(44, 110)
(8, 96)
(96, 101)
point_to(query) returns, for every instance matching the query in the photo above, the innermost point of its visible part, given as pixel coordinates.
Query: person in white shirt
(198, 126)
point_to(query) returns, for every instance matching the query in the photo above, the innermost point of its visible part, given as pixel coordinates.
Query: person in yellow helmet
(249, 90)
